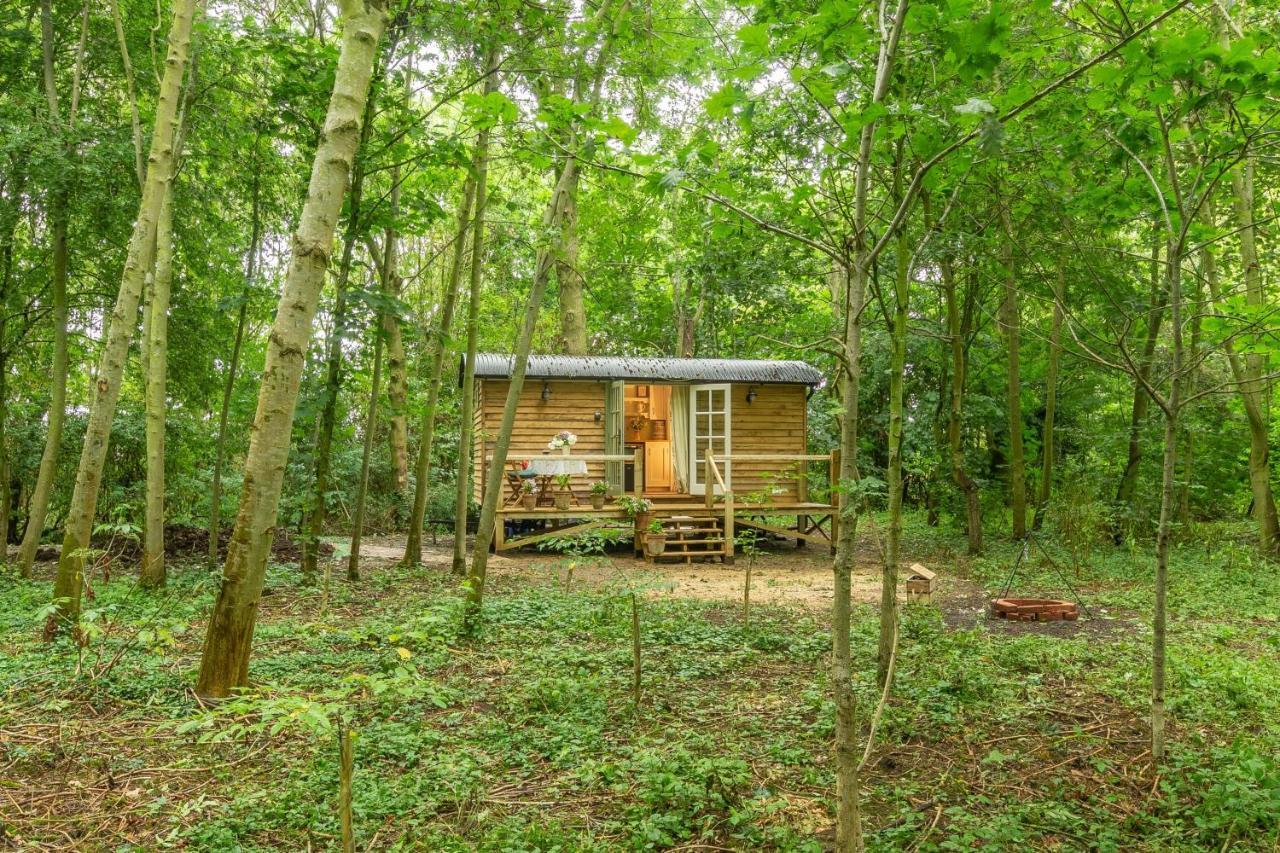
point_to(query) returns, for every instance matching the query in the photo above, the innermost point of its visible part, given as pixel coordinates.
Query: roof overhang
(646, 369)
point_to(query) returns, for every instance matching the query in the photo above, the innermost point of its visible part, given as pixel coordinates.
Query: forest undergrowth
(528, 738)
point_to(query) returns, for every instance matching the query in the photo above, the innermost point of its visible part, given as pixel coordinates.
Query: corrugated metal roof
(645, 369)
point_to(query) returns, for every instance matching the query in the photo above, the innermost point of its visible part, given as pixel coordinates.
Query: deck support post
(728, 527)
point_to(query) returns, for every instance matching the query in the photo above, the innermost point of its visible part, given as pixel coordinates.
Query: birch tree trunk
(106, 390)
(59, 214)
(439, 350)
(224, 664)
(462, 500)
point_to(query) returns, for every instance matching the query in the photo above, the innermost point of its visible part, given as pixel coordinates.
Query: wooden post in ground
(346, 766)
(635, 650)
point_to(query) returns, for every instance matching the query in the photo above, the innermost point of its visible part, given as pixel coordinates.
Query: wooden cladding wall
(572, 406)
(774, 422)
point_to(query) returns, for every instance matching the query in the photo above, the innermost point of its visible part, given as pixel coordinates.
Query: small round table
(546, 468)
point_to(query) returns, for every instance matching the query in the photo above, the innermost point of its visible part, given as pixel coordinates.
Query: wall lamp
(546, 391)
(599, 416)
(751, 395)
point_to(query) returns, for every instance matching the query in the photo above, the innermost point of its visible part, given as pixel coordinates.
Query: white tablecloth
(549, 466)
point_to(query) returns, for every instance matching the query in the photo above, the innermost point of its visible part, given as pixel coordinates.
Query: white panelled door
(708, 427)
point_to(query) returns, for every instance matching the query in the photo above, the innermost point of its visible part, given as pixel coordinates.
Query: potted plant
(655, 539)
(637, 509)
(599, 491)
(563, 441)
(527, 496)
(563, 491)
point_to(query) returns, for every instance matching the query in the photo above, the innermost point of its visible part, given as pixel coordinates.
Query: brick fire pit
(1034, 609)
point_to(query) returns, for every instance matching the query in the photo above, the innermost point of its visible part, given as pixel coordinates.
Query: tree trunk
(1011, 322)
(1264, 504)
(496, 483)
(390, 284)
(897, 371)
(848, 814)
(233, 366)
(573, 312)
(1167, 485)
(370, 427)
(1050, 404)
(439, 351)
(551, 220)
(1138, 413)
(319, 514)
(959, 327)
(1264, 511)
(59, 214)
(397, 365)
(153, 568)
(224, 664)
(462, 500)
(84, 498)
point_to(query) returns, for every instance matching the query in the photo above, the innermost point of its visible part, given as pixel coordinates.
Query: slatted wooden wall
(572, 406)
(775, 422)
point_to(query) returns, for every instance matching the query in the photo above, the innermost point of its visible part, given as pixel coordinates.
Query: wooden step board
(690, 538)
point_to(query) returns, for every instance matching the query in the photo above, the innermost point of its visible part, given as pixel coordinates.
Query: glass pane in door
(709, 428)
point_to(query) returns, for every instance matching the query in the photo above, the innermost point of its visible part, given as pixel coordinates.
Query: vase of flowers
(563, 441)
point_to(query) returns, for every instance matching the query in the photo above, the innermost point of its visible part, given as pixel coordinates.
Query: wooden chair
(515, 484)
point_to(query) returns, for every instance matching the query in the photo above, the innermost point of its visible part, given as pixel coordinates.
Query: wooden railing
(711, 474)
(637, 458)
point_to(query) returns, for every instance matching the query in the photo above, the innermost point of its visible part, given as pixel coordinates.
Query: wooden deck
(518, 527)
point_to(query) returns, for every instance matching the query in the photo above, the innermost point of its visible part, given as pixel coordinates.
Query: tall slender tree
(462, 500)
(60, 198)
(106, 387)
(224, 663)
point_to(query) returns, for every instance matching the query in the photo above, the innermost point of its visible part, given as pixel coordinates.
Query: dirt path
(784, 574)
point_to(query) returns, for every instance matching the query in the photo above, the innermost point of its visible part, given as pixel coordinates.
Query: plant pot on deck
(562, 500)
(655, 544)
(597, 501)
(529, 500)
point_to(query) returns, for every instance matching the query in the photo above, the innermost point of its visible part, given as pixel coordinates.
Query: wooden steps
(690, 538)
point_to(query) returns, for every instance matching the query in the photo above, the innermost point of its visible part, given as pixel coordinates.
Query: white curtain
(680, 435)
